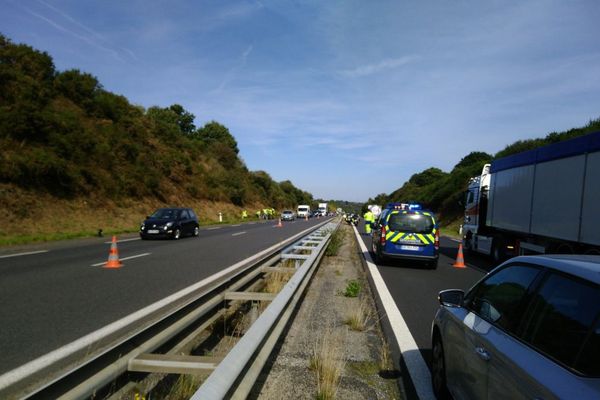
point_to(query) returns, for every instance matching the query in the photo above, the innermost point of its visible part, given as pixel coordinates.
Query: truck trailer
(545, 200)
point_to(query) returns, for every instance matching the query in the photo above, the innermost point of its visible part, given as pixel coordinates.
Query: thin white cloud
(93, 38)
(384, 65)
(231, 74)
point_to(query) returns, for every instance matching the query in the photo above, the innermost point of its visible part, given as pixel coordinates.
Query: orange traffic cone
(460, 260)
(279, 225)
(113, 255)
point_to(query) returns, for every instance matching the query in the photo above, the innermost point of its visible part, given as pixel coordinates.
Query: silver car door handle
(482, 353)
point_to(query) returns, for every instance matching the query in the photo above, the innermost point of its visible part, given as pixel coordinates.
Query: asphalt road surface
(415, 287)
(53, 294)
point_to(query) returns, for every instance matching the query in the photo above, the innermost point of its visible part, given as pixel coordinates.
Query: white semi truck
(323, 209)
(545, 200)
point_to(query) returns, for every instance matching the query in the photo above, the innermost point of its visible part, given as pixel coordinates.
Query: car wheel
(143, 237)
(433, 264)
(196, 231)
(176, 234)
(438, 369)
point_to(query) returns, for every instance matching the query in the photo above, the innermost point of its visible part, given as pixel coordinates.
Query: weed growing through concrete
(352, 289)
(385, 358)
(359, 317)
(328, 364)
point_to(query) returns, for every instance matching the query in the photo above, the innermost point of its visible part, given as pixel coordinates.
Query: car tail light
(383, 235)
(437, 239)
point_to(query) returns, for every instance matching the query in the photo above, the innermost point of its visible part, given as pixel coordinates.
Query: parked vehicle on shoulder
(288, 215)
(530, 329)
(170, 223)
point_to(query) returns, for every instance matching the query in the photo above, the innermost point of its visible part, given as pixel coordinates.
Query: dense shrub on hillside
(62, 133)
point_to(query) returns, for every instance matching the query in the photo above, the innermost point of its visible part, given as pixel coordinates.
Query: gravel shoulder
(320, 329)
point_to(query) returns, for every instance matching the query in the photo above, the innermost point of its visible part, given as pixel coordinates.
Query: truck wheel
(497, 251)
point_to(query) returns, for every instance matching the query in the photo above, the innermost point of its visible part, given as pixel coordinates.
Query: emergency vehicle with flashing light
(406, 231)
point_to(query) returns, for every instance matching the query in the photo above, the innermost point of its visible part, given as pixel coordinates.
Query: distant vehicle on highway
(303, 211)
(288, 215)
(170, 223)
(530, 329)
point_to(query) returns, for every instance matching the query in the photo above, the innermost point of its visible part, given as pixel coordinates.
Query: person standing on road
(369, 219)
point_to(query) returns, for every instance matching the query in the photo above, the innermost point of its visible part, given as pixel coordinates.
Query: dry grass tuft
(185, 387)
(385, 357)
(358, 317)
(328, 363)
(275, 281)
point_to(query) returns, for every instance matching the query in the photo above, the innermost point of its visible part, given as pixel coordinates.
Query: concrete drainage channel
(225, 335)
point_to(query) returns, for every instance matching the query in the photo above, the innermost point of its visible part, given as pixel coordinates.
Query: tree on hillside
(80, 88)
(185, 119)
(213, 132)
(477, 158)
(26, 78)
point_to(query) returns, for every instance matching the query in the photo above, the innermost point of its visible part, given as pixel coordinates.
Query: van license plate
(152, 230)
(413, 248)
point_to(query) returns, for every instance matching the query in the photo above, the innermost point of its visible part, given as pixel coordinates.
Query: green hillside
(64, 140)
(442, 191)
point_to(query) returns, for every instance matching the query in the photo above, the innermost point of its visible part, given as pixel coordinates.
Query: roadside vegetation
(328, 364)
(67, 144)
(337, 238)
(443, 192)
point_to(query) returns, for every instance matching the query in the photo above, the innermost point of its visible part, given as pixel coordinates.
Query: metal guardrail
(235, 375)
(37, 375)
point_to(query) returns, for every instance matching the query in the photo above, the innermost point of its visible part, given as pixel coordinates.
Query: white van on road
(303, 211)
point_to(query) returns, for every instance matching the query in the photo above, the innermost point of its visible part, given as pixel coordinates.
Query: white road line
(237, 234)
(212, 229)
(123, 259)
(24, 254)
(419, 373)
(123, 240)
(237, 225)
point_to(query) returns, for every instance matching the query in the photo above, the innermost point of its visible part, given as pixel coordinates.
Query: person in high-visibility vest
(369, 219)
(244, 214)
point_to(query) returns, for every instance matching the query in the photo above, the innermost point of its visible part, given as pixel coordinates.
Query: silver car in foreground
(530, 329)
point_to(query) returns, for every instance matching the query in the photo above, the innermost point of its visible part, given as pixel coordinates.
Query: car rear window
(417, 223)
(165, 213)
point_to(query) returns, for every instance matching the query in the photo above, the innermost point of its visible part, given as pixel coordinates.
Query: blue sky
(347, 99)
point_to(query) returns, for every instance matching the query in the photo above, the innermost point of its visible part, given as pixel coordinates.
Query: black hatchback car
(170, 223)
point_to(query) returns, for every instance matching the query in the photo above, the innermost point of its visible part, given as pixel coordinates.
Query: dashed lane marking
(212, 229)
(24, 254)
(123, 259)
(237, 234)
(123, 240)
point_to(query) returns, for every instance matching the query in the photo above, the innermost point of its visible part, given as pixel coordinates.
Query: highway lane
(51, 298)
(414, 287)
